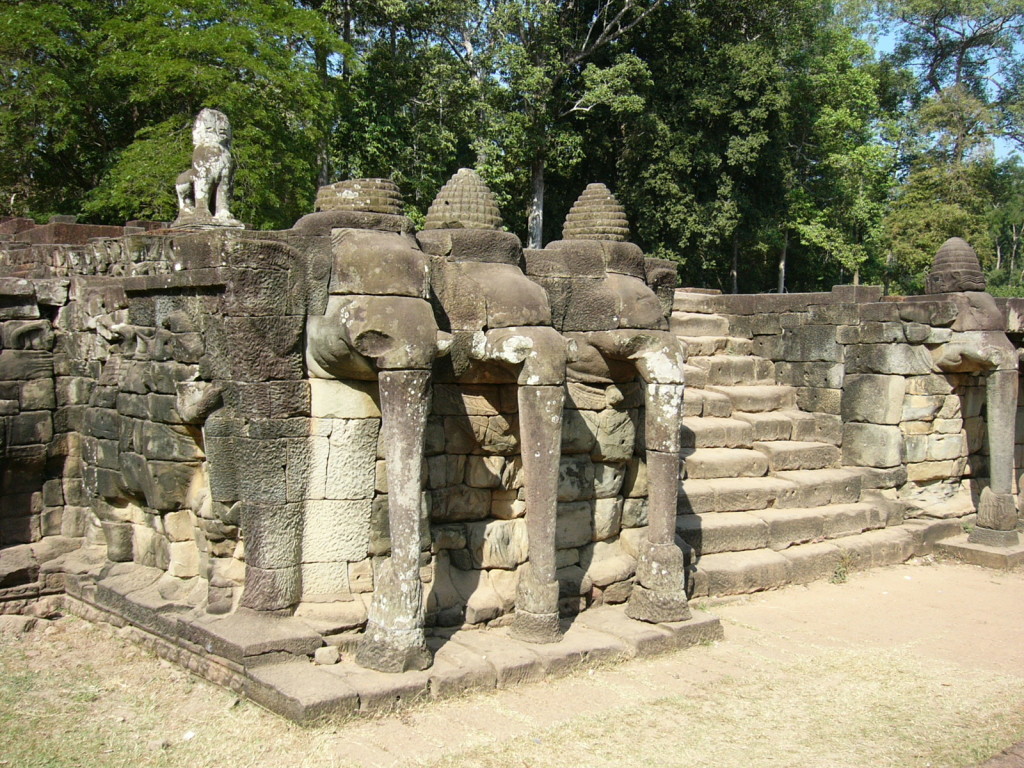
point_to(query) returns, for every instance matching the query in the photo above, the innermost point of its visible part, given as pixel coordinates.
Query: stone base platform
(268, 657)
(980, 554)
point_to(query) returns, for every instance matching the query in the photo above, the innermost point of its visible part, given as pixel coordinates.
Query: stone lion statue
(204, 192)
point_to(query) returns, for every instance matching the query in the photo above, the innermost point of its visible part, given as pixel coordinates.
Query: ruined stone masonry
(461, 463)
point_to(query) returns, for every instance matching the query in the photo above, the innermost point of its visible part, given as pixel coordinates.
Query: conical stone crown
(465, 202)
(956, 268)
(596, 215)
(366, 195)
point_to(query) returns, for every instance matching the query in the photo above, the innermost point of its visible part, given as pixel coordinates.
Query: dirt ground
(914, 665)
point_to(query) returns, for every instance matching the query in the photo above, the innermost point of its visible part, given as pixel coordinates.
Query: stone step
(819, 487)
(794, 454)
(788, 527)
(695, 376)
(782, 490)
(695, 324)
(705, 463)
(759, 398)
(735, 573)
(714, 432)
(731, 494)
(692, 301)
(700, 402)
(716, 532)
(728, 370)
(815, 427)
(704, 346)
(779, 529)
(769, 425)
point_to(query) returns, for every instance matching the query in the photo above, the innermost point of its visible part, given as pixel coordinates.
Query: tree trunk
(782, 262)
(734, 272)
(323, 151)
(535, 219)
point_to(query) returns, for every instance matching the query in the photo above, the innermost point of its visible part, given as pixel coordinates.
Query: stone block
(484, 471)
(273, 534)
(497, 543)
(922, 407)
(506, 505)
(608, 479)
(351, 464)
(336, 530)
(813, 374)
(819, 400)
(872, 445)
(579, 430)
(809, 343)
(634, 513)
(616, 436)
(902, 359)
(325, 580)
(873, 398)
(377, 263)
(697, 324)
(335, 399)
(446, 470)
(941, 447)
(611, 570)
(607, 518)
(928, 471)
(574, 526)
(812, 562)
(459, 503)
(575, 478)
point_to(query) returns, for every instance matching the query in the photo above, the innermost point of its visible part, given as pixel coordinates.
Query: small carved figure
(204, 192)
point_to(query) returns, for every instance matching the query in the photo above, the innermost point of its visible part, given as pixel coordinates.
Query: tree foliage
(761, 144)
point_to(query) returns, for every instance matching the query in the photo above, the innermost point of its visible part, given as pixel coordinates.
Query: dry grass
(842, 709)
(75, 694)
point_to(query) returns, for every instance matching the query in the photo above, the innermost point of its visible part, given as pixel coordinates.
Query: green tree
(98, 99)
(965, 58)
(54, 134)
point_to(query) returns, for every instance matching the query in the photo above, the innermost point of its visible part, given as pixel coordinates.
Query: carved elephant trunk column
(379, 325)
(541, 353)
(501, 323)
(979, 343)
(394, 640)
(601, 292)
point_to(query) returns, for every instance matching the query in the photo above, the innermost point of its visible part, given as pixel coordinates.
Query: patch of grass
(842, 571)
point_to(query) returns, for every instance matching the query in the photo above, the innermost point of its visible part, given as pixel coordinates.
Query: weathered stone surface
(871, 445)
(497, 543)
(377, 263)
(902, 359)
(333, 399)
(704, 463)
(575, 478)
(810, 343)
(607, 518)
(336, 530)
(574, 525)
(873, 398)
(351, 465)
(616, 435)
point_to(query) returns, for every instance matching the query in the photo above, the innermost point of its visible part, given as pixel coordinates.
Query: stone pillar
(394, 638)
(659, 593)
(997, 509)
(540, 424)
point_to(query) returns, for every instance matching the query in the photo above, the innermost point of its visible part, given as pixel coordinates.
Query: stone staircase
(765, 499)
